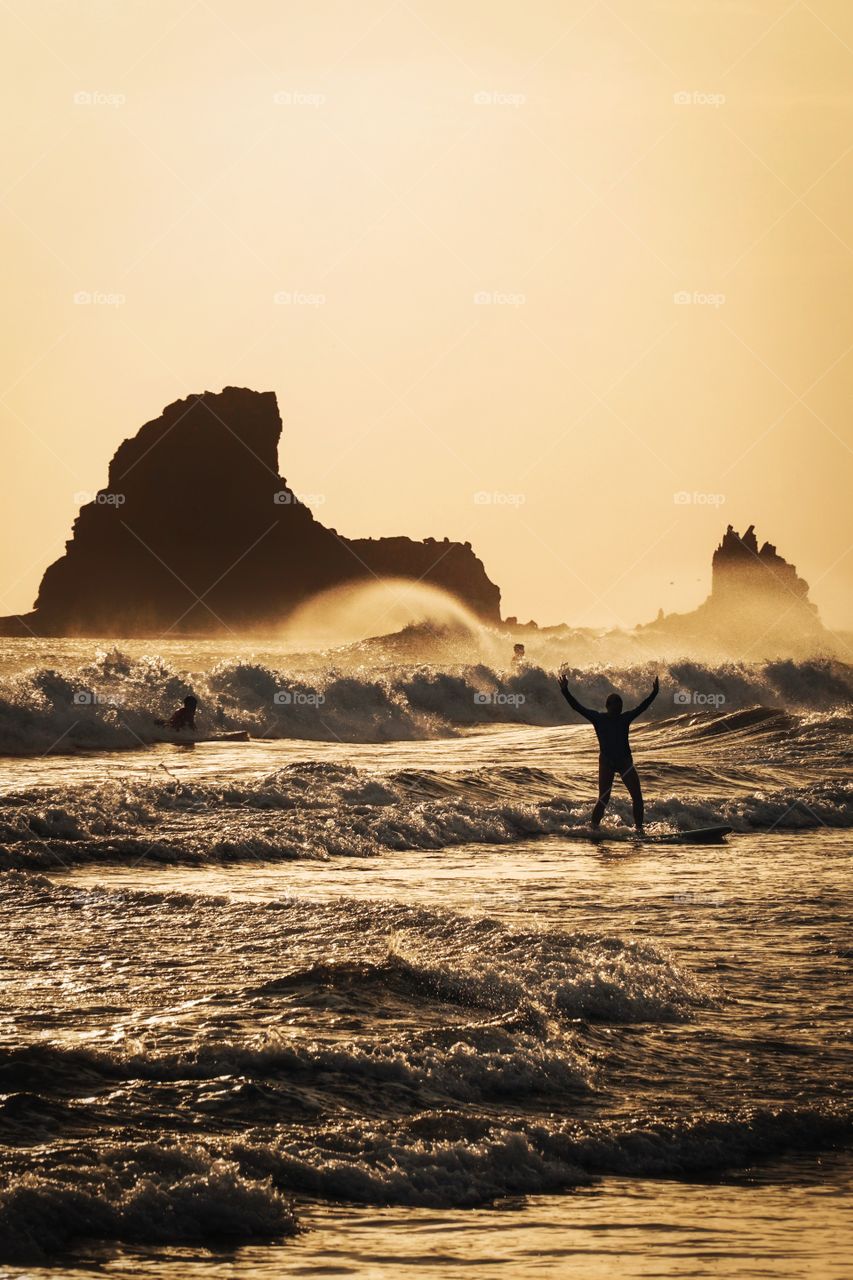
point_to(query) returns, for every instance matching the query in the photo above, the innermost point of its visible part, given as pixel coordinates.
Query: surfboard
(700, 835)
(239, 735)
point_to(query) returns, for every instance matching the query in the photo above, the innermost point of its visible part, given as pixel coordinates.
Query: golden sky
(456, 238)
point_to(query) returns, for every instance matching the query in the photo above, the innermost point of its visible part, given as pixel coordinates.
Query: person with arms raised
(611, 728)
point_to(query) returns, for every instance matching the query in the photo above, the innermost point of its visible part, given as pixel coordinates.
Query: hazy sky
(476, 217)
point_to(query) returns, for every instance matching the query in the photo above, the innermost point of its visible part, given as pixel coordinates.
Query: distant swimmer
(517, 654)
(184, 717)
(611, 728)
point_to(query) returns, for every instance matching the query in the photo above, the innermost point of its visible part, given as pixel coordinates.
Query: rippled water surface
(324, 1008)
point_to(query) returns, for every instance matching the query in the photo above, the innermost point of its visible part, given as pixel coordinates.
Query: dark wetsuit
(184, 718)
(612, 731)
(614, 753)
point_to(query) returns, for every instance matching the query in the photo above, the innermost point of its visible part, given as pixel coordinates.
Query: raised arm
(572, 700)
(646, 703)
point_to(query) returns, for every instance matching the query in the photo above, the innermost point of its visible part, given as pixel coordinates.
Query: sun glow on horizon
(580, 259)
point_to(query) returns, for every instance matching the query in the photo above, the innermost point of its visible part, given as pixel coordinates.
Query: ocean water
(361, 997)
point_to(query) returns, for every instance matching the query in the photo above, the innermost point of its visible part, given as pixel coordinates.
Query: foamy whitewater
(360, 996)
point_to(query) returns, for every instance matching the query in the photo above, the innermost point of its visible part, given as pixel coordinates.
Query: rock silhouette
(196, 533)
(758, 606)
(739, 565)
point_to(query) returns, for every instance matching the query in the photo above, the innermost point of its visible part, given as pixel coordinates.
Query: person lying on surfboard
(611, 728)
(184, 717)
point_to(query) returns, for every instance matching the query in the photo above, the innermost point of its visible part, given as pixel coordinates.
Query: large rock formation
(738, 566)
(758, 607)
(196, 533)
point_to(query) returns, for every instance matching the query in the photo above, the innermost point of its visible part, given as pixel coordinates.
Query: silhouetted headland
(758, 605)
(196, 533)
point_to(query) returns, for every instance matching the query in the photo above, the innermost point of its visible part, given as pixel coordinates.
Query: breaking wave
(318, 810)
(474, 963)
(148, 1195)
(213, 1056)
(109, 703)
(463, 1162)
(233, 1192)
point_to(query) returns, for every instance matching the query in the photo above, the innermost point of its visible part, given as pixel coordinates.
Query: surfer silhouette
(184, 717)
(611, 728)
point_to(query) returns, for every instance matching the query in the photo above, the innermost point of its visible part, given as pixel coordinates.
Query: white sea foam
(130, 1196)
(186, 1059)
(109, 702)
(318, 810)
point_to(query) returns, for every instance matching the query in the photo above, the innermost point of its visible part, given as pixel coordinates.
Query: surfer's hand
(563, 682)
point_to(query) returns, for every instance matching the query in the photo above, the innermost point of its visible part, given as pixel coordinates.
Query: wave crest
(109, 703)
